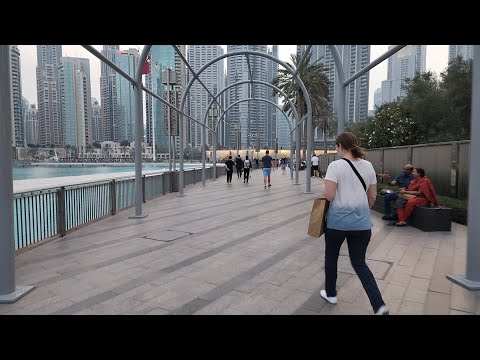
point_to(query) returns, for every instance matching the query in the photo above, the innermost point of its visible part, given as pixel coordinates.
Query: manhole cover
(167, 235)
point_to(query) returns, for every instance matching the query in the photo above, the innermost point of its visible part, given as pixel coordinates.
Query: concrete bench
(424, 218)
(427, 218)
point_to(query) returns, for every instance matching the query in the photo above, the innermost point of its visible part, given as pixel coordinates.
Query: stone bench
(424, 218)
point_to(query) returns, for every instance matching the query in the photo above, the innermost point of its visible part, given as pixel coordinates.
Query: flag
(146, 66)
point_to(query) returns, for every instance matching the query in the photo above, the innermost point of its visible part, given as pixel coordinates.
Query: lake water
(43, 171)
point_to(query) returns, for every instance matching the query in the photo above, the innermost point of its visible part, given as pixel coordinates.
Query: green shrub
(459, 206)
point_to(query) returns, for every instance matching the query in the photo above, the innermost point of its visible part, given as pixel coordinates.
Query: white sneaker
(331, 299)
(382, 311)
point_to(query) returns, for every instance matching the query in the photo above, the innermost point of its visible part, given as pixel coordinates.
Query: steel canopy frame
(288, 122)
(181, 180)
(254, 82)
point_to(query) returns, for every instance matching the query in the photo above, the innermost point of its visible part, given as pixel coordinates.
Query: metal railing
(47, 213)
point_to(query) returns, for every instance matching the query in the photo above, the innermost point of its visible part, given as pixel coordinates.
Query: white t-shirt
(349, 210)
(315, 161)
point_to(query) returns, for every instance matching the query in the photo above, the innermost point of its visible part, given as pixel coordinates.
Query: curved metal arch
(214, 158)
(298, 121)
(250, 81)
(297, 78)
(340, 88)
(215, 132)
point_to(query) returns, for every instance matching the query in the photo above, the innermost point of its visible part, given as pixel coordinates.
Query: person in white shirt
(315, 161)
(351, 188)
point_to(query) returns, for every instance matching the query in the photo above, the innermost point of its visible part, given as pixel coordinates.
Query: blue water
(37, 172)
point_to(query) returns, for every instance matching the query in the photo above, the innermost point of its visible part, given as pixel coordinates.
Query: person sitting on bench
(402, 181)
(419, 192)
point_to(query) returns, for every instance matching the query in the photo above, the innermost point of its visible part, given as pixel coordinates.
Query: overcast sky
(437, 58)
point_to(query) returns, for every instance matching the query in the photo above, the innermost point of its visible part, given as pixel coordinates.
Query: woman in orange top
(424, 193)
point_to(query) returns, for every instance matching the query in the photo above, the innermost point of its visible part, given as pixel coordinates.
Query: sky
(437, 59)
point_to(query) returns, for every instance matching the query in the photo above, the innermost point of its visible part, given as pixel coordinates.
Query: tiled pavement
(235, 249)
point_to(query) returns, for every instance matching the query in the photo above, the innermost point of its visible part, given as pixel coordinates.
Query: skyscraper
(377, 97)
(75, 104)
(49, 117)
(96, 123)
(465, 51)
(18, 139)
(272, 71)
(127, 60)
(108, 95)
(162, 57)
(403, 65)
(31, 125)
(214, 79)
(354, 58)
(247, 120)
(283, 130)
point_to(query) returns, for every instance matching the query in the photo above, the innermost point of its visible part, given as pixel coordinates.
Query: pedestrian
(267, 168)
(247, 164)
(229, 167)
(351, 188)
(239, 166)
(314, 162)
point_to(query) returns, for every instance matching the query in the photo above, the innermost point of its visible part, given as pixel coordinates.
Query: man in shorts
(267, 168)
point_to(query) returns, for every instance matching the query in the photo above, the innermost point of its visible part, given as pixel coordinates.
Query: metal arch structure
(297, 119)
(181, 180)
(10, 293)
(297, 154)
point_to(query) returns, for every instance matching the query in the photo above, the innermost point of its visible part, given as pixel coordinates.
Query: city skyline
(437, 60)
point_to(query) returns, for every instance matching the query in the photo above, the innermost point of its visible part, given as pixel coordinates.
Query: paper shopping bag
(317, 224)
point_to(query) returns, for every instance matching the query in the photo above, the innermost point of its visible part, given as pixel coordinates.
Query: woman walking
(351, 188)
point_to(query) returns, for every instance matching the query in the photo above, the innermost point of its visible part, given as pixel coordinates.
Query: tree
(391, 126)
(89, 149)
(106, 150)
(68, 151)
(33, 152)
(457, 87)
(328, 124)
(427, 106)
(97, 145)
(317, 84)
(124, 144)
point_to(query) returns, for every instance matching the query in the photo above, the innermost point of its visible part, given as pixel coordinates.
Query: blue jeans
(357, 248)
(387, 198)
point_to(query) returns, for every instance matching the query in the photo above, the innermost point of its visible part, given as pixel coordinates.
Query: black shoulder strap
(357, 173)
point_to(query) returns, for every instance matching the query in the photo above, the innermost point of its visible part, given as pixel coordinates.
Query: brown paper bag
(316, 226)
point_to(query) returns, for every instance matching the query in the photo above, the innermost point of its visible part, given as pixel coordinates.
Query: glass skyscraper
(127, 60)
(162, 57)
(18, 139)
(49, 117)
(75, 90)
(246, 120)
(108, 95)
(213, 77)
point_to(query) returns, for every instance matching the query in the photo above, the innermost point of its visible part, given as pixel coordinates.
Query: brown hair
(350, 142)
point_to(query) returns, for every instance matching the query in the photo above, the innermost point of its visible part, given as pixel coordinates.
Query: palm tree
(317, 85)
(89, 149)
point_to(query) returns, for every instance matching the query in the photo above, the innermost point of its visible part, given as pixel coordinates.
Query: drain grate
(167, 235)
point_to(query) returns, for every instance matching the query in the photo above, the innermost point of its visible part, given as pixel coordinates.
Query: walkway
(235, 249)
